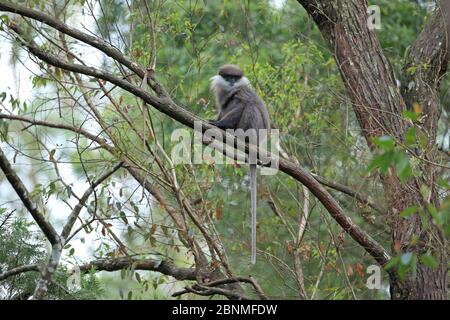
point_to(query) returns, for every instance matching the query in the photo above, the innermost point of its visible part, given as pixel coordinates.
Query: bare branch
(302, 221)
(81, 203)
(361, 197)
(202, 290)
(48, 230)
(95, 42)
(18, 270)
(102, 142)
(249, 280)
(165, 267)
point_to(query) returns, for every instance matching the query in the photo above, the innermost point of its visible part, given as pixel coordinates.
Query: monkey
(239, 107)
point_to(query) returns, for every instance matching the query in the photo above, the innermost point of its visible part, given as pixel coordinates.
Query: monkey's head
(229, 76)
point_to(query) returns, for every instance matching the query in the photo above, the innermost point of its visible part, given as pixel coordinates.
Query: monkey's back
(254, 111)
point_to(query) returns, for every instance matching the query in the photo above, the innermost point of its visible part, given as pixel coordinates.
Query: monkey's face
(227, 82)
(231, 79)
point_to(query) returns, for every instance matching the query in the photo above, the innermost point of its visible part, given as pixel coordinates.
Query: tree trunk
(378, 103)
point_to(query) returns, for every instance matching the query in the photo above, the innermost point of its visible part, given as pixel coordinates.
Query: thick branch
(48, 230)
(95, 42)
(18, 270)
(249, 280)
(379, 104)
(165, 267)
(202, 290)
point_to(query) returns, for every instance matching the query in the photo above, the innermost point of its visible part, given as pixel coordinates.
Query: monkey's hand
(219, 124)
(213, 122)
(230, 120)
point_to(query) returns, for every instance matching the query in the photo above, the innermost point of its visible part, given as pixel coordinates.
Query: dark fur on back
(249, 110)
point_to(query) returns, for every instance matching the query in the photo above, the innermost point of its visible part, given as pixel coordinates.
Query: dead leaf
(153, 228)
(349, 270)
(360, 269)
(397, 246)
(219, 214)
(417, 108)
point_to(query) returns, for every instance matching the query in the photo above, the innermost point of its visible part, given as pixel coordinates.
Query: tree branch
(203, 290)
(81, 203)
(95, 42)
(17, 184)
(19, 270)
(96, 138)
(165, 267)
(362, 198)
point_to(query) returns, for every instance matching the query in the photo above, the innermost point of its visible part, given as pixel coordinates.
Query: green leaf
(375, 163)
(424, 218)
(385, 143)
(412, 70)
(123, 216)
(444, 183)
(138, 277)
(383, 162)
(387, 160)
(429, 261)
(409, 212)
(403, 167)
(410, 137)
(432, 210)
(411, 115)
(391, 263)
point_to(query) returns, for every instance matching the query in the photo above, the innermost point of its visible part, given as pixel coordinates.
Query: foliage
(22, 245)
(290, 67)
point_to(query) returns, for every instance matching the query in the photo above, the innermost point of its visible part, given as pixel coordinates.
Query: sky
(17, 81)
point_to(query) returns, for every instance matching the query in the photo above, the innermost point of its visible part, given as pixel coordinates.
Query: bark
(378, 104)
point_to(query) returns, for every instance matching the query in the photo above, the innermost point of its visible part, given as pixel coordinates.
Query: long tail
(253, 205)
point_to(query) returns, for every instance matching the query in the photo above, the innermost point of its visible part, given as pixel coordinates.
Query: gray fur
(239, 107)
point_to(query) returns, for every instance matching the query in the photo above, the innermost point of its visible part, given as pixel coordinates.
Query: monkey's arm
(230, 119)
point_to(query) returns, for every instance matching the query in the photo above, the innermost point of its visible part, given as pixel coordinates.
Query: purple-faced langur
(239, 107)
